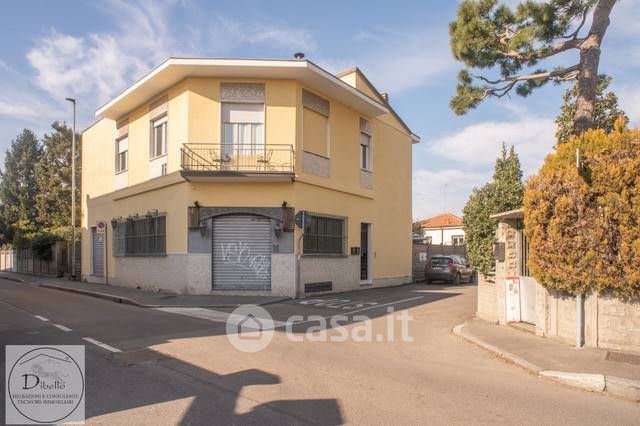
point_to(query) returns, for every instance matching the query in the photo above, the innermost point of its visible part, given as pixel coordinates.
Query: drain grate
(623, 357)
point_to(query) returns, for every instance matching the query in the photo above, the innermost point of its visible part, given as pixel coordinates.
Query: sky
(93, 50)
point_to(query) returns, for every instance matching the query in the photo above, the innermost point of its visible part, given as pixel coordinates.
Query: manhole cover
(623, 357)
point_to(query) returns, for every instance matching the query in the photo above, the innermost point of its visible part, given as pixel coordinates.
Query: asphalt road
(179, 367)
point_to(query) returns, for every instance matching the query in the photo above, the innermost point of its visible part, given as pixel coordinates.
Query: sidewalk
(585, 368)
(142, 298)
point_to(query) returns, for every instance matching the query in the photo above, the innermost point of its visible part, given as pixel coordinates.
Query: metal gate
(97, 253)
(241, 253)
(528, 300)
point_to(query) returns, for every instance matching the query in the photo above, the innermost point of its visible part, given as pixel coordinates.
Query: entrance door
(97, 253)
(364, 251)
(241, 253)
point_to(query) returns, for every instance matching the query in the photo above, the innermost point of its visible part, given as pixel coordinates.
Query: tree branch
(574, 35)
(563, 74)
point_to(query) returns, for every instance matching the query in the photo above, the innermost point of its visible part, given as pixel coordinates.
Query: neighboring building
(445, 229)
(200, 167)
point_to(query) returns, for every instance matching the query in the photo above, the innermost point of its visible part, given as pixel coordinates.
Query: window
(323, 235)
(365, 145)
(158, 144)
(457, 240)
(122, 154)
(428, 239)
(243, 127)
(140, 236)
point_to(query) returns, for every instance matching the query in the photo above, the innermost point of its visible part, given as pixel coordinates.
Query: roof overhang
(510, 214)
(174, 70)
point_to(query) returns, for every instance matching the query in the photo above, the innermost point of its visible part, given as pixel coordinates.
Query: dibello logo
(45, 385)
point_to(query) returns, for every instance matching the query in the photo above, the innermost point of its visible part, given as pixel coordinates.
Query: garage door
(241, 253)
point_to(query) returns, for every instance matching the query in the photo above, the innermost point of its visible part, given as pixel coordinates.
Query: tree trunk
(589, 61)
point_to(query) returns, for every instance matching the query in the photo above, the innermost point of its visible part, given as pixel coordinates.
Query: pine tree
(18, 188)
(504, 192)
(488, 35)
(605, 115)
(53, 173)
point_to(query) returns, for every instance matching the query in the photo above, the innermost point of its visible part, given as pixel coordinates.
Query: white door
(528, 300)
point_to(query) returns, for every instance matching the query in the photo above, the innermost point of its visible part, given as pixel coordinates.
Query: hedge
(584, 225)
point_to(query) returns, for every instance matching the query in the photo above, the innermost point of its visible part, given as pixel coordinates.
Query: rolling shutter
(241, 253)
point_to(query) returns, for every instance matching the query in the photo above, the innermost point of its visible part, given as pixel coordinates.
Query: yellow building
(196, 178)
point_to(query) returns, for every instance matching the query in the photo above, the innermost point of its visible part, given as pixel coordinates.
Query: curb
(133, 302)
(515, 359)
(10, 278)
(611, 385)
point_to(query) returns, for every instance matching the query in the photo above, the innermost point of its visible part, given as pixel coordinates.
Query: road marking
(41, 318)
(102, 345)
(62, 327)
(385, 304)
(216, 316)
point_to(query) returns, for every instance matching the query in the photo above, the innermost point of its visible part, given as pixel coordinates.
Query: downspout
(299, 292)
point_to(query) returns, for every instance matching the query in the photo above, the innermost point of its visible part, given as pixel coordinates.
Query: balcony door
(242, 129)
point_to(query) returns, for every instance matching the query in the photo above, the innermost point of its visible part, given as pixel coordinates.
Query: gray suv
(450, 268)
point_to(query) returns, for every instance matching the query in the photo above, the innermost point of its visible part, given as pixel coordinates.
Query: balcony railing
(231, 160)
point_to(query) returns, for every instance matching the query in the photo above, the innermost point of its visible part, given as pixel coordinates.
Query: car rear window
(441, 260)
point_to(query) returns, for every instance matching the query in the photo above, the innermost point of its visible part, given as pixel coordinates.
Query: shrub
(584, 225)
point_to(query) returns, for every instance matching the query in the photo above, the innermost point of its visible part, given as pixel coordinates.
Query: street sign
(101, 227)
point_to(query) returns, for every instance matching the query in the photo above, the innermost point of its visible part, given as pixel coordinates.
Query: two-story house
(196, 178)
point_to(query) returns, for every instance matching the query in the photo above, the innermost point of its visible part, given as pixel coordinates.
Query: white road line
(102, 345)
(62, 327)
(385, 304)
(41, 318)
(221, 317)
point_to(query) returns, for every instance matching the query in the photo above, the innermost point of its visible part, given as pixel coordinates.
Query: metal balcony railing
(212, 159)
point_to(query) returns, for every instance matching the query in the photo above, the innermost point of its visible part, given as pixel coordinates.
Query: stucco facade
(328, 185)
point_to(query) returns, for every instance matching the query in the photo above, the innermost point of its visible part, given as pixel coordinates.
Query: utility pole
(73, 191)
(579, 297)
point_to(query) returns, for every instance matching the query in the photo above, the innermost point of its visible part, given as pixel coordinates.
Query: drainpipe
(299, 292)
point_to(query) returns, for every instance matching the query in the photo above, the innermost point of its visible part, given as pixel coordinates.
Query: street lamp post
(73, 191)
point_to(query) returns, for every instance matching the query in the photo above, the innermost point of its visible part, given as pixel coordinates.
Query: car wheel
(457, 280)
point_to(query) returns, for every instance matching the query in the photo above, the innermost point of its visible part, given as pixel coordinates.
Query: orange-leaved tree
(584, 223)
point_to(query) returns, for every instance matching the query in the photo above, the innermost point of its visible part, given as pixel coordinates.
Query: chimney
(385, 96)
(298, 55)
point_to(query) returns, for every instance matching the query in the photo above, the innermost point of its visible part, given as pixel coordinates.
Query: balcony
(259, 162)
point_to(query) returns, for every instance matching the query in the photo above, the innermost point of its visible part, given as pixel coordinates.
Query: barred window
(323, 235)
(140, 236)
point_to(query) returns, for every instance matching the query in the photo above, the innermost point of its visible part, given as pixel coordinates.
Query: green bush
(584, 225)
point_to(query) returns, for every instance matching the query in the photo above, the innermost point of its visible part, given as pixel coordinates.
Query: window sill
(316, 154)
(140, 255)
(121, 172)
(366, 170)
(158, 156)
(324, 255)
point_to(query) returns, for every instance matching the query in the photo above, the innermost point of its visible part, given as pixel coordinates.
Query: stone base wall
(178, 273)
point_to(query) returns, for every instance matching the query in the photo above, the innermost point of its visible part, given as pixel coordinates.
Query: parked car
(452, 269)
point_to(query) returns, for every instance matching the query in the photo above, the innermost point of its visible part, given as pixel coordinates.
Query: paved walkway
(551, 354)
(587, 368)
(143, 298)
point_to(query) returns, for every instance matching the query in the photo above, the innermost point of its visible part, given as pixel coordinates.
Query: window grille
(324, 235)
(140, 236)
